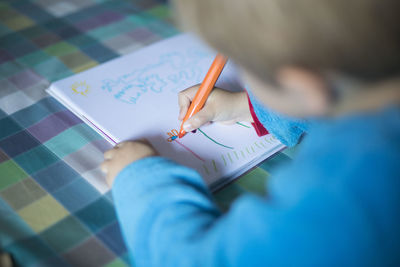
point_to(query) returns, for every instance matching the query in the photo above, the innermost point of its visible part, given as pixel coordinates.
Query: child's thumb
(199, 119)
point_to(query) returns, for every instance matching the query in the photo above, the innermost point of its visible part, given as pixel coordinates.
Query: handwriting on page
(171, 72)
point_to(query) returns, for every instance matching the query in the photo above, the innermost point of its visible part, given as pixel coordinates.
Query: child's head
(300, 43)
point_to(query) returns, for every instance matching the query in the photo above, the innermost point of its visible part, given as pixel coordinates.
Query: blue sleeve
(168, 218)
(287, 130)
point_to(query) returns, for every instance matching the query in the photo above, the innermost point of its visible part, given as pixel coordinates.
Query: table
(56, 209)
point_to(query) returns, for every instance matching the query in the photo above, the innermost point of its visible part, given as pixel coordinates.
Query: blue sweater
(337, 203)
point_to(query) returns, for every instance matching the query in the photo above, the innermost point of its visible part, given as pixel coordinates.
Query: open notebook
(135, 96)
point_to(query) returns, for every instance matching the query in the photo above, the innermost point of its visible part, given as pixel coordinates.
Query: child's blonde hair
(355, 37)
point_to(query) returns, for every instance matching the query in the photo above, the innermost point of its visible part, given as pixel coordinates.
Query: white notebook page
(135, 96)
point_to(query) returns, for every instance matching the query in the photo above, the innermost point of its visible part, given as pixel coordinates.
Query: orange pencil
(205, 89)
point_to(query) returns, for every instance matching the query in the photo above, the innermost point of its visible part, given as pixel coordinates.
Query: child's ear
(308, 87)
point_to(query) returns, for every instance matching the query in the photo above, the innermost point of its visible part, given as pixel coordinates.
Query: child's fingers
(184, 102)
(104, 167)
(122, 155)
(182, 111)
(109, 154)
(107, 170)
(144, 142)
(199, 119)
(184, 99)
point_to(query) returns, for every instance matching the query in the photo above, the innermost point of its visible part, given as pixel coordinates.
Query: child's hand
(122, 155)
(221, 106)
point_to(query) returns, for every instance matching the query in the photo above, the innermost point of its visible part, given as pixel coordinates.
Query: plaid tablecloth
(55, 208)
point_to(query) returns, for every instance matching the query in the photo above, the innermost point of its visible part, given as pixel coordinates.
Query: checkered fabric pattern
(55, 208)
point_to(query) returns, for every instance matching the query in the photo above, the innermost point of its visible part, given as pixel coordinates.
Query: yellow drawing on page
(81, 88)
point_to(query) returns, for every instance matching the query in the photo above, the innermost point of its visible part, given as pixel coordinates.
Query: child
(335, 66)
